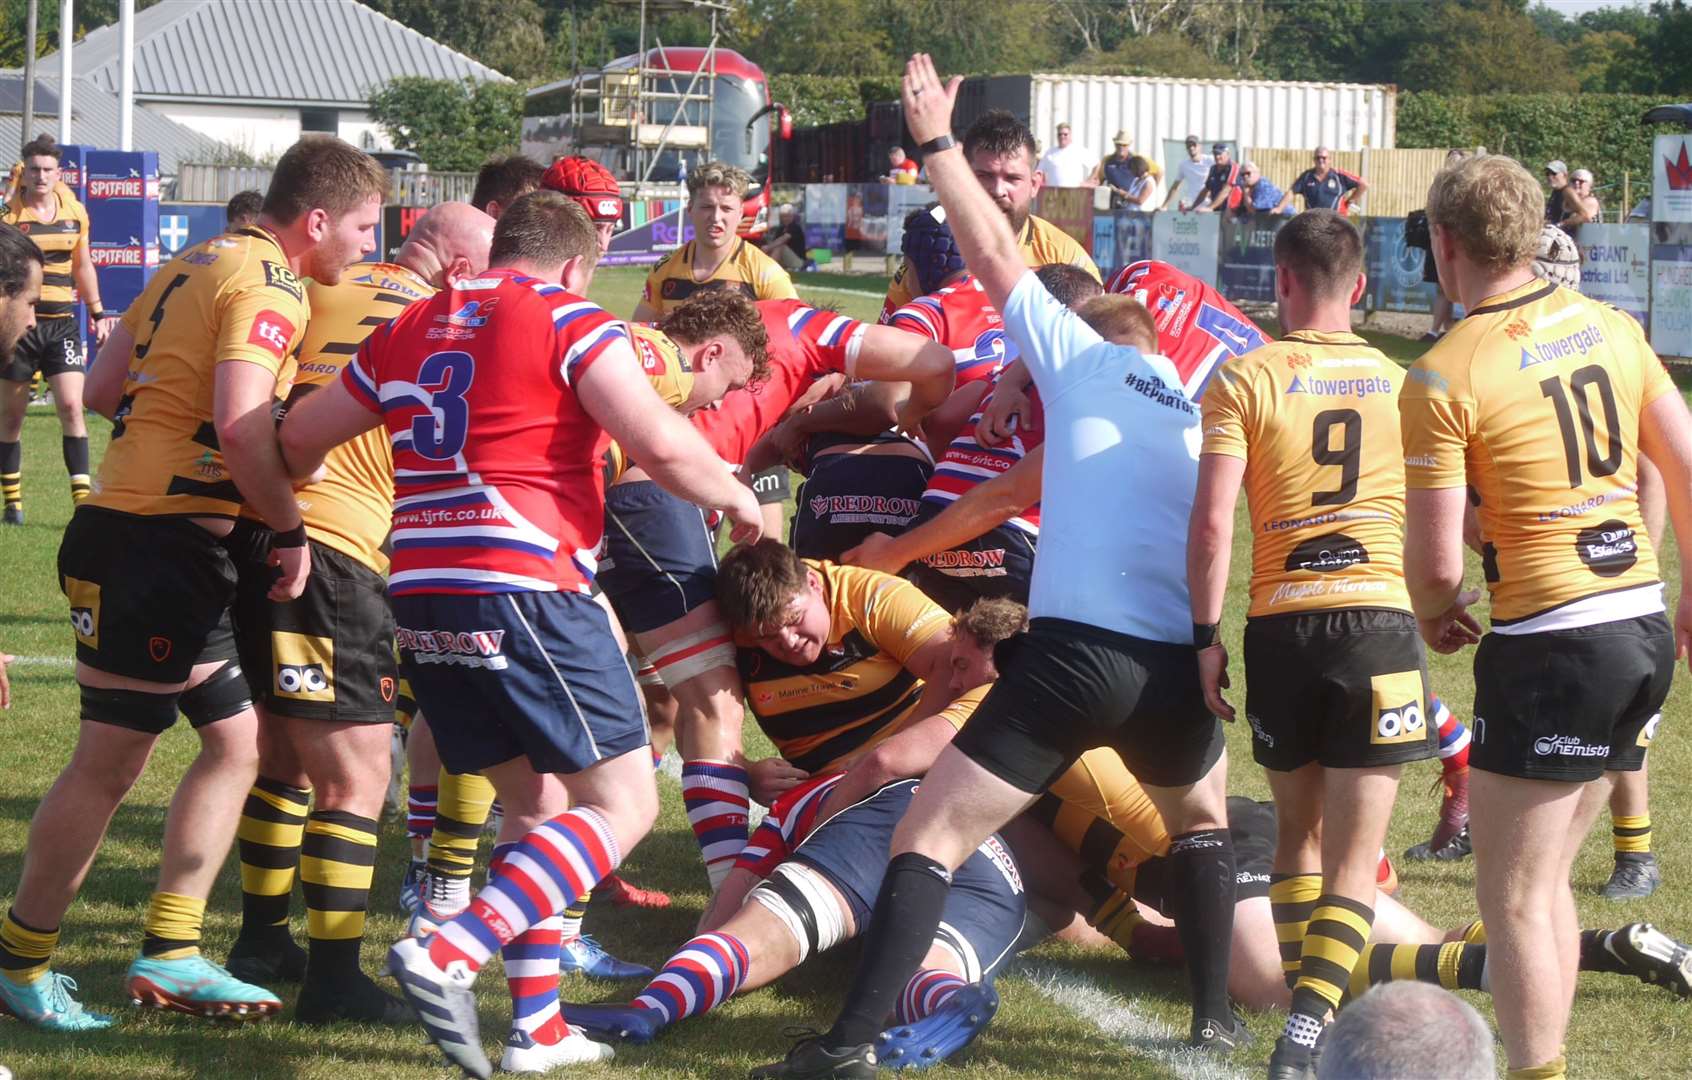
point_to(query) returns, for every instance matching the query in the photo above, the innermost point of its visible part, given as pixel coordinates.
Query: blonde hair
(1493, 207)
(718, 174)
(1122, 320)
(991, 620)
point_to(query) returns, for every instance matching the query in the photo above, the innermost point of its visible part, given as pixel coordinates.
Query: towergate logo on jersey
(1357, 387)
(1579, 343)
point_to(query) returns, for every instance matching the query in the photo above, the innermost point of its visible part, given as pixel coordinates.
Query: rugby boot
(1453, 823)
(444, 1002)
(13, 515)
(524, 1055)
(1653, 956)
(586, 956)
(811, 1060)
(624, 893)
(198, 987)
(941, 1033)
(616, 1022)
(1209, 1035)
(1635, 876)
(349, 997)
(266, 961)
(441, 899)
(411, 886)
(1292, 1061)
(47, 1003)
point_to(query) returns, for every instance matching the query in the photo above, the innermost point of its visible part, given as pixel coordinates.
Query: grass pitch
(1067, 1012)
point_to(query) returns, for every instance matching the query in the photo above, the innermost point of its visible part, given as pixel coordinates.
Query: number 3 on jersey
(439, 434)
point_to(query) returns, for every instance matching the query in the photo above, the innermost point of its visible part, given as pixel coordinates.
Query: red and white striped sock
(717, 799)
(703, 974)
(928, 990)
(1453, 736)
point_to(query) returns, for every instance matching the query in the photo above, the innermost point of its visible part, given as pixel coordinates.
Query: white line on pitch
(1119, 1020)
(44, 661)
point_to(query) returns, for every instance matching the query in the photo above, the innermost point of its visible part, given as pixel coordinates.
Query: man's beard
(1018, 218)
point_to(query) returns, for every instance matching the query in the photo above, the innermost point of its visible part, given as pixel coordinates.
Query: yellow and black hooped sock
(337, 863)
(75, 449)
(25, 951)
(1338, 930)
(173, 926)
(1631, 833)
(11, 473)
(1116, 919)
(461, 809)
(1292, 900)
(272, 822)
(1455, 965)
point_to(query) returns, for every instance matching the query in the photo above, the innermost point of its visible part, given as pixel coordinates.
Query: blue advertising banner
(182, 225)
(1247, 270)
(1121, 237)
(647, 242)
(1395, 270)
(123, 212)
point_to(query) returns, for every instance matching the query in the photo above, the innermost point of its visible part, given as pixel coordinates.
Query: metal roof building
(295, 52)
(94, 118)
(255, 74)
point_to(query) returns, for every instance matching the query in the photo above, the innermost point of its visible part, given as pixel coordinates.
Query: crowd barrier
(1643, 269)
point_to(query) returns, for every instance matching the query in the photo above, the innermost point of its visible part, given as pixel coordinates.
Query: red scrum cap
(589, 183)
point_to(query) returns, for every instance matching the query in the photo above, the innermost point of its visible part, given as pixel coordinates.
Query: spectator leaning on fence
(1258, 192)
(1068, 164)
(1221, 187)
(1323, 186)
(1189, 175)
(900, 169)
(1580, 205)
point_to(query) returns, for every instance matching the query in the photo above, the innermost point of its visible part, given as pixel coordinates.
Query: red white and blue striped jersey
(1197, 328)
(806, 343)
(792, 818)
(967, 463)
(497, 482)
(961, 318)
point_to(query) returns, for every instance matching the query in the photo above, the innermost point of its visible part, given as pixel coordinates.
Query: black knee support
(137, 710)
(223, 694)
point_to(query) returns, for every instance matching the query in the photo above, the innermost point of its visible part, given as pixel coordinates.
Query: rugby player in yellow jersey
(1000, 151)
(45, 211)
(188, 378)
(1335, 669)
(1539, 403)
(321, 667)
(717, 257)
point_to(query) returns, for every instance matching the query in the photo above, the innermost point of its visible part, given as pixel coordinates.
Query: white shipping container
(1251, 114)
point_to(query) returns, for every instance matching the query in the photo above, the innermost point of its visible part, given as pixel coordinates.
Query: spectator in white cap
(1557, 177)
(1580, 205)
(786, 242)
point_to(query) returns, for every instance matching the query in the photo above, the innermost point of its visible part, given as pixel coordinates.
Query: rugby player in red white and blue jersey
(499, 395)
(664, 579)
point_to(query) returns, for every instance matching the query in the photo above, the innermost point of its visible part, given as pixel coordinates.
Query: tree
(1486, 48)
(815, 37)
(451, 125)
(87, 15)
(509, 36)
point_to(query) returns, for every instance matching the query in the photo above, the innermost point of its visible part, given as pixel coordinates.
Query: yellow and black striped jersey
(351, 509)
(1042, 244)
(669, 372)
(747, 269)
(60, 240)
(858, 692)
(1533, 401)
(1315, 418)
(230, 298)
(1099, 811)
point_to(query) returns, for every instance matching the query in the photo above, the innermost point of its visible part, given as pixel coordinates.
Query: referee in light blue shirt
(1109, 658)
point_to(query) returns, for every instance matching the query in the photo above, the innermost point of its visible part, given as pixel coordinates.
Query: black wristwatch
(1206, 634)
(934, 146)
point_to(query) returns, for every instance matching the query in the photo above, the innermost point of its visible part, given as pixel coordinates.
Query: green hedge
(827, 99)
(1600, 132)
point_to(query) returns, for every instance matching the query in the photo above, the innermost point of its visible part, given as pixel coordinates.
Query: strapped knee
(800, 897)
(692, 655)
(137, 710)
(223, 694)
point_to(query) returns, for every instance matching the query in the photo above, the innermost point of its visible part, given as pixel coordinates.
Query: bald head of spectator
(1408, 1029)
